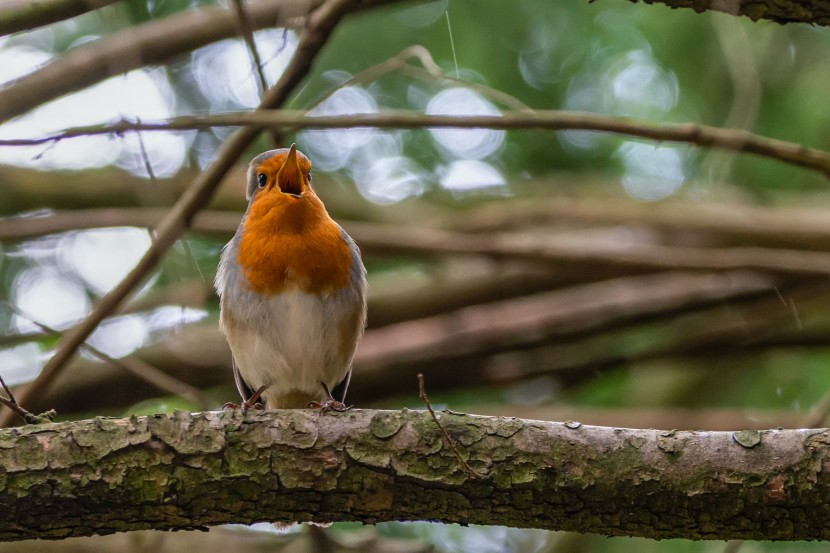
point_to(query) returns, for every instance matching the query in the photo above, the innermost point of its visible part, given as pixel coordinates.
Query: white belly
(297, 342)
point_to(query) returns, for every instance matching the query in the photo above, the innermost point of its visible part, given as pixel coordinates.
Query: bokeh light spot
(143, 94)
(465, 143)
(45, 296)
(651, 172)
(471, 174)
(238, 85)
(102, 257)
(330, 150)
(120, 336)
(388, 180)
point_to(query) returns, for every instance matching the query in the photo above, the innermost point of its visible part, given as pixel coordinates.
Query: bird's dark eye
(262, 179)
(309, 177)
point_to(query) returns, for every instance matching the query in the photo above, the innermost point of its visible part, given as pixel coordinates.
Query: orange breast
(291, 243)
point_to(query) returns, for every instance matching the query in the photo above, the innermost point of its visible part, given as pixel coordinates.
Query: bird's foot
(250, 403)
(329, 404)
(245, 406)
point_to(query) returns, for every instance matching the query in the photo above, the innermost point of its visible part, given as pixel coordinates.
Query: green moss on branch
(184, 471)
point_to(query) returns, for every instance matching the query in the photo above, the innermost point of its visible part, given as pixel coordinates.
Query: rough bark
(186, 471)
(816, 12)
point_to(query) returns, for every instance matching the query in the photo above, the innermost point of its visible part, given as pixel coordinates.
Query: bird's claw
(250, 403)
(330, 404)
(245, 406)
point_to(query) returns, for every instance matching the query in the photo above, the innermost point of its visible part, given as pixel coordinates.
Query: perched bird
(292, 290)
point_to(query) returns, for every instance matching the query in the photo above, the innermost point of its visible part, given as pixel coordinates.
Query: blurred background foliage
(748, 348)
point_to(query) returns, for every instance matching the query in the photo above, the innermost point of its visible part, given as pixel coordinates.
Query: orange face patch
(289, 175)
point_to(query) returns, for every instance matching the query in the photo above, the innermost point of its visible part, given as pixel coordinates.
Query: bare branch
(220, 223)
(428, 71)
(722, 224)
(558, 316)
(382, 238)
(25, 15)
(625, 257)
(814, 12)
(27, 417)
(728, 223)
(661, 418)
(152, 43)
(247, 32)
(141, 369)
(733, 140)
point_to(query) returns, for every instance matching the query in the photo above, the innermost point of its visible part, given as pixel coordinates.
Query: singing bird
(292, 290)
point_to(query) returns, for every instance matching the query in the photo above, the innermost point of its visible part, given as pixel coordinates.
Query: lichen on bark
(194, 470)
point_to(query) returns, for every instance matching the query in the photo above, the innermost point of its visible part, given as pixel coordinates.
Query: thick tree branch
(558, 249)
(397, 239)
(735, 224)
(25, 15)
(624, 257)
(731, 224)
(734, 140)
(185, 471)
(557, 315)
(816, 12)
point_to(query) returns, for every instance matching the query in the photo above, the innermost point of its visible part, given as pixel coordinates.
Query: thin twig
(191, 293)
(734, 140)
(422, 393)
(145, 157)
(429, 71)
(247, 32)
(321, 23)
(133, 365)
(141, 369)
(27, 417)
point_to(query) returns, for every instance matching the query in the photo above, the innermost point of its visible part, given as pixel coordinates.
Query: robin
(292, 290)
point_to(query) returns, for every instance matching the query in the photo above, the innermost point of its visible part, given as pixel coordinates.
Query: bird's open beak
(290, 178)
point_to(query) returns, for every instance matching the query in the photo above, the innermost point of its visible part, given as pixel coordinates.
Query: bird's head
(285, 171)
